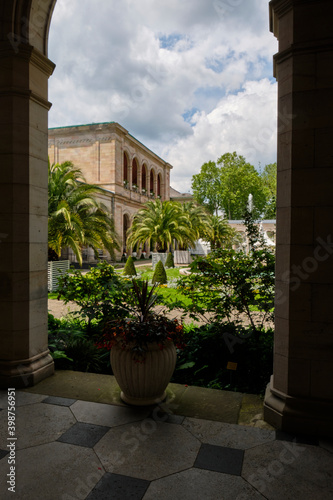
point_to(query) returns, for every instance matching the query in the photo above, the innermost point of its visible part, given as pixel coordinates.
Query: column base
(298, 415)
(26, 372)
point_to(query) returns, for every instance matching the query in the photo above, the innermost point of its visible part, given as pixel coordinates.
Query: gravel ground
(59, 309)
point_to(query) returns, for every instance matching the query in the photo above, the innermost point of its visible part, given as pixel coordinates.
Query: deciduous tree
(226, 186)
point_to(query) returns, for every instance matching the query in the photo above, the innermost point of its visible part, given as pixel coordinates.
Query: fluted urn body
(143, 382)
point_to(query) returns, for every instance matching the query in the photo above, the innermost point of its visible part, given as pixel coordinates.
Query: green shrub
(231, 286)
(129, 269)
(73, 348)
(159, 274)
(169, 261)
(209, 349)
(100, 293)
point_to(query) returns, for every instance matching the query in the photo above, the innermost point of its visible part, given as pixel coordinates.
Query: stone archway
(301, 391)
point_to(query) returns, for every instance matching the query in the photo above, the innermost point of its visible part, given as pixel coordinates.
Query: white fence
(54, 270)
(182, 257)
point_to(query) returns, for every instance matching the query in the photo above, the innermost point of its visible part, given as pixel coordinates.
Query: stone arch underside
(26, 22)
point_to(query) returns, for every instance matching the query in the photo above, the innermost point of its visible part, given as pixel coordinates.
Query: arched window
(151, 182)
(159, 184)
(144, 179)
(134, 174)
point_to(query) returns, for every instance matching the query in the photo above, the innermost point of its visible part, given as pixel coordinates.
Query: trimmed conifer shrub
(169, 260)
(159, 274)
(129, 269)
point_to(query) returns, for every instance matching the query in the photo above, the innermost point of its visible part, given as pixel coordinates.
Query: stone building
(109, 156)
(300, 395)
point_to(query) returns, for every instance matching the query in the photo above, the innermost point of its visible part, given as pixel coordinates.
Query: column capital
(283, 8)
(29, 53)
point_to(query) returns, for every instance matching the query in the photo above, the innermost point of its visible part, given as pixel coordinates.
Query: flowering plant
(143, 326)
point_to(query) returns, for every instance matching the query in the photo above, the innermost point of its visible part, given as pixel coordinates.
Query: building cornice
(65, 136)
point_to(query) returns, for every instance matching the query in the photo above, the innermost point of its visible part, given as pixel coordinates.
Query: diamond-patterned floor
(70, 449)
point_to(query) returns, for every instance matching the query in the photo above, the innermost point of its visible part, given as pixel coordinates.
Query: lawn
(147, 272)
(170, 294)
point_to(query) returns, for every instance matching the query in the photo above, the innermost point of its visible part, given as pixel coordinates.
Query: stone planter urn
(143, 382)
(143, 348)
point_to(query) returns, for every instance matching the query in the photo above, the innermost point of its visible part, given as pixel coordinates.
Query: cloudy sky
(191, 79)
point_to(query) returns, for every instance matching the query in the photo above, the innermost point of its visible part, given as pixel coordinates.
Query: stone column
(167, 182)
(129, 173)
(300, 395)
(24, 355)
(155, 184)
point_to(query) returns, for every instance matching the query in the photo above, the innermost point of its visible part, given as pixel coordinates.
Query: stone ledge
(188, 401)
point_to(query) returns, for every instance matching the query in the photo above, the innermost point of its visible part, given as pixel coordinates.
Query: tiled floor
(68, 449)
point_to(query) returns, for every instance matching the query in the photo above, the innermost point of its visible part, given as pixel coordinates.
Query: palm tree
(198, 219)
(220, 234)
(160, 223)
(75, 217)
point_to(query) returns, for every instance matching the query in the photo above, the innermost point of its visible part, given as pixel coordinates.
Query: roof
(176, 194)
(81, 125)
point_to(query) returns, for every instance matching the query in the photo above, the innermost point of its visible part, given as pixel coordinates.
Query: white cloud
(148, 64)
(244, 122)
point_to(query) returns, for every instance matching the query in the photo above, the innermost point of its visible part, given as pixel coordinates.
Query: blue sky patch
(211, 92)
(169, 41)
(189, 114)
(217, 65)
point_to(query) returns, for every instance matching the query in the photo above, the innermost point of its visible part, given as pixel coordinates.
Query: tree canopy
(162, 223)
(207, 188)
(226, 186)
(220, 234)
(198, 219)
(268, 176)
(159, 223)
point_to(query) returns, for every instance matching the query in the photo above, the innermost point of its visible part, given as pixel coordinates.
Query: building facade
(129, 173)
